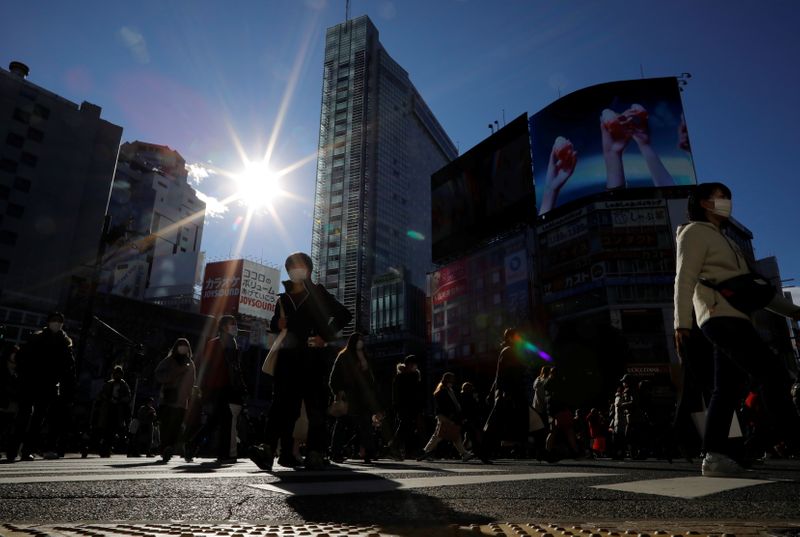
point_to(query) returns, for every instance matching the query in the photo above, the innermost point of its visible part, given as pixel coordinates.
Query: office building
(156, 228)
(57, 162)
(379, 143)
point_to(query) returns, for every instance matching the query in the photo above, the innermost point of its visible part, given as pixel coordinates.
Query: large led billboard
(615, 135)
(484, 192)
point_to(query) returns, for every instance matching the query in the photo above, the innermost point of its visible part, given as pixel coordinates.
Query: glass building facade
(378, 146)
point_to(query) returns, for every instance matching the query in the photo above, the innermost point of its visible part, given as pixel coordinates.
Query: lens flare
(528, 347)
(416, 235)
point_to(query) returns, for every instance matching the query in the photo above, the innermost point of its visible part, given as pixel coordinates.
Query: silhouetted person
(46, 371)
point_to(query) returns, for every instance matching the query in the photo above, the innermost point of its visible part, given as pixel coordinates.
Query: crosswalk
(355, 478)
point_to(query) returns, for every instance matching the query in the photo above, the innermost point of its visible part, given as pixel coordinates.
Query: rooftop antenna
(347, 11)
(491, 128)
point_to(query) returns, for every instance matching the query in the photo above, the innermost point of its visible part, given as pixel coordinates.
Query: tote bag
(268, 366)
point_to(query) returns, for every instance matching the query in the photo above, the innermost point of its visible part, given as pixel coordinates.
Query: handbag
(338, 408)
(133, 426)
(268, 366)
(746, 292)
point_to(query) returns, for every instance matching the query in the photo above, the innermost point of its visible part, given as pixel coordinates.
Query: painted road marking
(105, 470)
(388, 485)
(684, 487)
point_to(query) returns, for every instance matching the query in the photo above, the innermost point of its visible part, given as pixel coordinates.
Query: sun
(257, 186)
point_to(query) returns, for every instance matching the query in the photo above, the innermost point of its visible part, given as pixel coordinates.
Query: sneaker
(289, 461)
(468, 455)
(314, 461)
(425, 455)
(719, 465)
(166, 455)
(226, 460)
(262, 457)
(50, 455)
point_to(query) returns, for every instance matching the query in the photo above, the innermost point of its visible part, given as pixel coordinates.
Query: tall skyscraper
(57, 161)
(156, 227)
(379, 143)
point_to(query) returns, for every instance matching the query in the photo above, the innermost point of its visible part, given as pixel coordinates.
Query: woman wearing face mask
(705, 253)
(352, 381)
(312, 318)
(176, 375)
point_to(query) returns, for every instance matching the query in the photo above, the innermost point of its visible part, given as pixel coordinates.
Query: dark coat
(314, 313)
(408, 398)
(508, 419)
(447, 405)
(46, 361)
(358, 384)
(220, 371)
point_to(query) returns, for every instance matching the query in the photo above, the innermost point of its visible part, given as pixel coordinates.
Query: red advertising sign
(449, 282)
(222, 285)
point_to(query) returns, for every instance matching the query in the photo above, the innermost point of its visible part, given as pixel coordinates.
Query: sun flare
(257, 186)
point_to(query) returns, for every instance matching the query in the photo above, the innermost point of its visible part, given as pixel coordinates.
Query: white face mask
(183, 349)
(298, 275)
(722, 207)
(55, 326)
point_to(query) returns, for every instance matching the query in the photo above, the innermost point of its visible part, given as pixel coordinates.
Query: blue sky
(200, 75)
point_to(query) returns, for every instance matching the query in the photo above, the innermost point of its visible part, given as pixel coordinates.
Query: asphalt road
(396, 494)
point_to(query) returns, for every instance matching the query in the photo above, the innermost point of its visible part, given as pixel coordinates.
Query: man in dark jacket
(312, 318)
(221, 385)
(46, 370)
(408, 401)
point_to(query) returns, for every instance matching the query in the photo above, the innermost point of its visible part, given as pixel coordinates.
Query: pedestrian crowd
(736, 403)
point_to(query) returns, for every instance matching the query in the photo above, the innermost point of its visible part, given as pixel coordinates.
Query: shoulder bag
(268, 366)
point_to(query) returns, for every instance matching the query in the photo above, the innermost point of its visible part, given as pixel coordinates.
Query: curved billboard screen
(615, 135)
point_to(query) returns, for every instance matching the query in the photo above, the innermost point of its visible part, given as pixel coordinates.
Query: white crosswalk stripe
(123, 469)
(386, 485)
(684, 487)
(358, 478)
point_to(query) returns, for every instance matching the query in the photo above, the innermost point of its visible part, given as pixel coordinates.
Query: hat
(410, 359)
(627, 377)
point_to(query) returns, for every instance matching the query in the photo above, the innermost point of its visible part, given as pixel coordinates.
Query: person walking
(706, 258)
(353, 383)
(222, 389)
(9, 398)
(474, 417)
(448, 419)
(312, 318)
(113, 409)
(46, 374)
(509, 418)
(177, 376)
(408, 401)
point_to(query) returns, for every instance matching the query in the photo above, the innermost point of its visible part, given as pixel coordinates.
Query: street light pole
(88, 314)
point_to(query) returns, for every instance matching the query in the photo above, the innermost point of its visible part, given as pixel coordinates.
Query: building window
(22, 184)
(22, 115)
(41, 111)
(8, 165)
(15, 209)
(14, 140)
(28, 159)
(35, 134)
